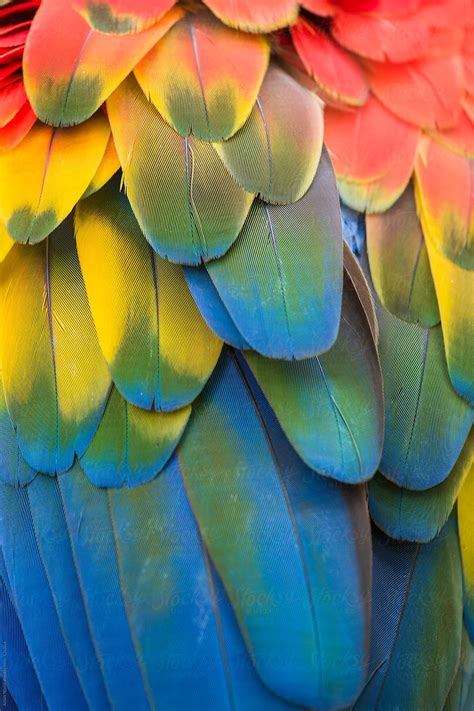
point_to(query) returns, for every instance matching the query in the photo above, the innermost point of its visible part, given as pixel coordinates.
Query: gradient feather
(426, 421)
(187, 204)
(159, 350)
(258, 505)
(281, 282)
(55, 379)
(331, 406)
(45, 175)
(203, 77)
(416, 622)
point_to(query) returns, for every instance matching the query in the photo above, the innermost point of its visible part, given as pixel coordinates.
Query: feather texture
(187, 204)
(6, 242)
(14, 469)
(357, 278)
(70, 69)
(457, 697)
(425, 92)
(204, 77)
(158, 348)
(212, 307)
(108, 166)
(276, 152)
(93, 545)
(131, 445)
(331, 406)
(255, 15)
(373, 153)
(122, 16)
(34, 603)
(18, 675)
(466, 539)
(416, 622)
(54, 548)
(281, 282)
(191, 650)
(426, 421)
(445, 199)
(256, 505)
(55, 378)
(418, 515)
(16, 130)
(45, 175)
(399, 263)
(337, 74)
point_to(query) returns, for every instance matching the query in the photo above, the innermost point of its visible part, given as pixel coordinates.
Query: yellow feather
(45, 175)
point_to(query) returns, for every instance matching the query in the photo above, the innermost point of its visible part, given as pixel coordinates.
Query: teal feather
(281, 281)
(459, 690)
(418, 515)
(426, 421)
(331, 406)
(416, 622)
(14, 469)
(191, 652)
(258, 507)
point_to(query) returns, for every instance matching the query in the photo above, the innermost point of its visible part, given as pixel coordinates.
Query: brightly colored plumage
(236, 445)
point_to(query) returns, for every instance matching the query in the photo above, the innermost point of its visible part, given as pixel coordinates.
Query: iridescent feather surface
(237, 355)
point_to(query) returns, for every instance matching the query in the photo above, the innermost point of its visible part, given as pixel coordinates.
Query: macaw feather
(188, 206)
(31, 593)
(122, 16)
(70, 69)
(466, 540)
(159, 349)
(132, 445)
(108, 166)
(14, 469)
(399, 263)
(425, 92)
(212, 307)
(338, 75)
(331, 406)
(255, 15)
(15, 131)
(426, 421)
(23, 683)
(277, 151)
(373, 153)
(55, 378)
(418, 516)
(257, 504)
(90, 531)
(281, 281)
(421, 587)
(204, 77)
(47, 515)
(445, 200)
(43, 177)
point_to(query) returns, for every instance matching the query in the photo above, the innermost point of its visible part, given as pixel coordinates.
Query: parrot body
(237, 355)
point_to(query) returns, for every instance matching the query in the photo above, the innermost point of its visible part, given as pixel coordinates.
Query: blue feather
(93, 544)
(35, 605)
(284, 541)
(212, 307)
(18, 674)
(189, 656)
(55, 550)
